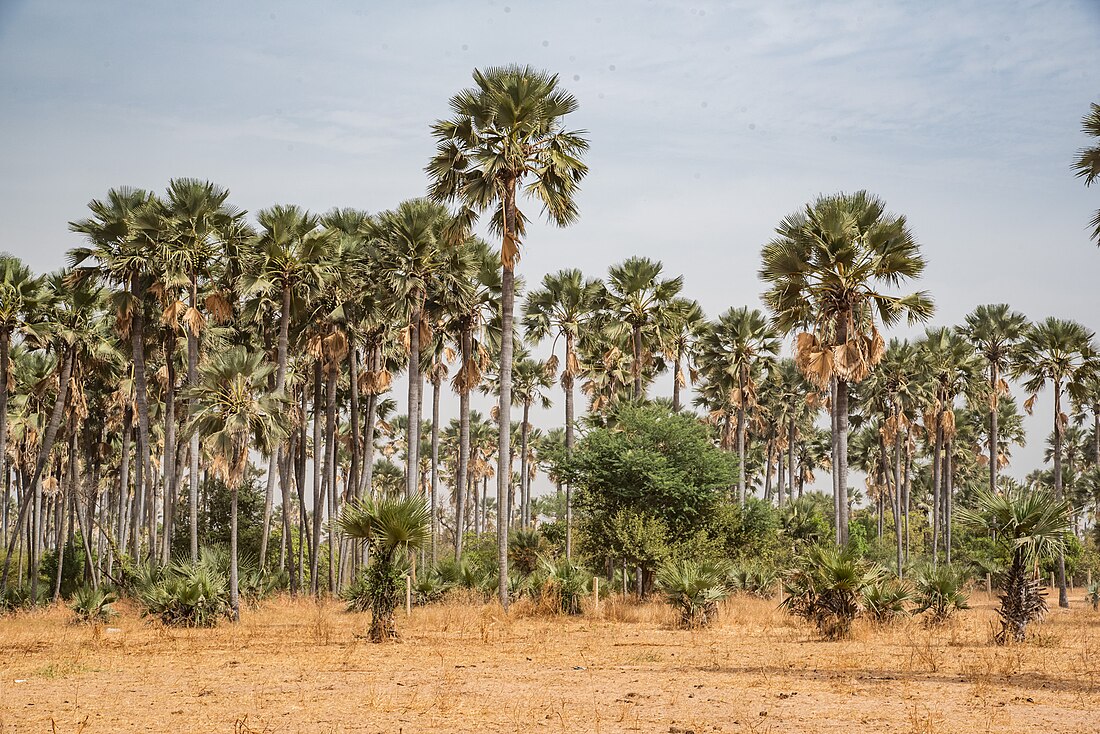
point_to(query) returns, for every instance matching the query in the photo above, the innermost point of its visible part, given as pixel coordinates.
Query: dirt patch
(296, 666)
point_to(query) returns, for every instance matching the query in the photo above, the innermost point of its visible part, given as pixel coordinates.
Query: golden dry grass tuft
(296, 665)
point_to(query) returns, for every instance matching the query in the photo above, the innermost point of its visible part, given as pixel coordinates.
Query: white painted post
(408, 595)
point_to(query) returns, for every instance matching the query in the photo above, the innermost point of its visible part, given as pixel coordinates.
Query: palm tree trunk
(141, 397)
(524, 500)
(790, 458)
(842, 455)
(332, 369)
(504, 407)
(1063, 597)
(5, 367)
(897, 499)
(234, 571)
(769, 453)
(318, 473)
(168, 461)
(124, 483)
(436, 380)
(937, 470)
(412, 467)
(636, 364)
(741, 454)
(354, 477)
(462, 472)
(834, 444)
(780, 476)
(32, 491)
(567, 387)
(676, 384)
(367, 480)
(948, 487)
(994, 428)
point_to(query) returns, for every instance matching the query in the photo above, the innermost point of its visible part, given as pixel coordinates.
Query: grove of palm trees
(340, 469)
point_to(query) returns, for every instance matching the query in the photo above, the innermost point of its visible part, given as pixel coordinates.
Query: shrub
(93, 605)
(430, 587)
(524, 550)
(1093, 596)
(564, 583)
(884, 601)
(187, 595)
(694, 588)
(754, 580)
(940, 593)
(19, 597)
(828, 589)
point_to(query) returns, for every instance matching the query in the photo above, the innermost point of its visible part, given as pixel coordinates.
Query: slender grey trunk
(567, 386)
(636, 365)
(504, 407)
(318, 498)
(994, 428)
(436, 380)
(412, 466)
(1063, 596)
(937, 478)
(463, 471)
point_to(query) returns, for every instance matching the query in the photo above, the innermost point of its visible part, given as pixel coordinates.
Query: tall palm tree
(564, 305)
(201, 224)
(827, 268)
(21, 297)
(235, 411)
(531, 379)
(412, 242)
(121, 243)
(680, 325)
(635, 299)
(507, 139)
(951, 368)
(732, 354)
(1053, 351)
(994, 330)
(1087, 164)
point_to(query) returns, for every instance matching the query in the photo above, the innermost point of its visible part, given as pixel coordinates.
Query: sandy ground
(296, 666)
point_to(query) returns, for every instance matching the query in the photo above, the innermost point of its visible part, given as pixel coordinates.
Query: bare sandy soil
(296, 666)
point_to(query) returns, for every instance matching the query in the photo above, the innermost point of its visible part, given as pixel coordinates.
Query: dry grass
(296, 666)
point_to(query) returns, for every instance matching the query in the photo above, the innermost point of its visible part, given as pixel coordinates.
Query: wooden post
(408, 595)
(1089, 577)
(1052, 582)
(596, 592)
(989, 584)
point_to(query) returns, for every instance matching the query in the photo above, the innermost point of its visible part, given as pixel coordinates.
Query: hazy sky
(708, 122)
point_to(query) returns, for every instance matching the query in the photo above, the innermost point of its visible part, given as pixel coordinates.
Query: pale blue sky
(709, 122)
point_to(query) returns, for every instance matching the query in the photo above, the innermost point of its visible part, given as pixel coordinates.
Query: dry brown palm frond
(194, 321)
(219, 307)
(172, 313)
(550, 367)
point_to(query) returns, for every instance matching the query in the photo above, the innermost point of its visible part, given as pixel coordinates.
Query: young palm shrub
(829, 589)
(884, 602)
(754, 580)
(1033, 525)
(93, 605)
(525, 548)
(694, 588)
(186, 594)
(1092, 596)
(430, 587)
(940, 593)
(562, 582)
(393, 527)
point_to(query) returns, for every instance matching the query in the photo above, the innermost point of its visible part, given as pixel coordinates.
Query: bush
(884, 601)
(695, 589)
(525, 547)
(940, 593)
(756, 580)
(186, 594)
(1093, 596)
(829, 589)
(19, 597)
(563, 583)
(93, 605)
(430, 587)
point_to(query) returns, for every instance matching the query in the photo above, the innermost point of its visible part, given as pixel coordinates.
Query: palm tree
(201, 225)
(1053, 351)
(530, 381)
(390, 525)
(1032, 525)
(121, 233)
(412, 246)
(680, 325)
(732, 354)
(234, 410)
(634, 302)
(994, 330)
(507, 139)
(826, 269)
(564, 305)
(21, 297)
(1087, 164)
(952, 369)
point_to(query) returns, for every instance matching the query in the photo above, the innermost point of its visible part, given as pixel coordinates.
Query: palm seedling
(694, 589)
(828, 589)
(92, 604)
(940, 593)
(884, 601)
